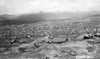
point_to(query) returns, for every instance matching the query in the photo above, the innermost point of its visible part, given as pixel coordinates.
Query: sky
(17, 7)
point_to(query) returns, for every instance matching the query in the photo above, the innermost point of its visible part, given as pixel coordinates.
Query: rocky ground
(50, 40)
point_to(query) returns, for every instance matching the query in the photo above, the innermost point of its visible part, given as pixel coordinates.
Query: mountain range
(33, 18)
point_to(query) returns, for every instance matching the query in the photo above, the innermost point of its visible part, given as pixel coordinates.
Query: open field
(15, 38)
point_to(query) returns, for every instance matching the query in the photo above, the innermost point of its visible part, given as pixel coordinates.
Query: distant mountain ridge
(33, 18)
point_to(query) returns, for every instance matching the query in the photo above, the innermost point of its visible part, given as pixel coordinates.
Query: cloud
(36, 6)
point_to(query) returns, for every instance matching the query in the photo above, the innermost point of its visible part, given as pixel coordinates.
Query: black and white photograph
(49, 29)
